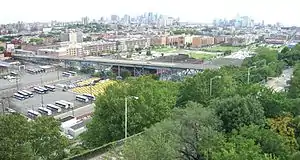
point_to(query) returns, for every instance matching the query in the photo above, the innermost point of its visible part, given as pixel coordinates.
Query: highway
(126, 63)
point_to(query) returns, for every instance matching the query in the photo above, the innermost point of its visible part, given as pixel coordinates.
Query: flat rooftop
(66, 119)
(80, 124)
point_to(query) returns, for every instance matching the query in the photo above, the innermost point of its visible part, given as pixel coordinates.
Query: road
(129, 63)
(279, 83)
(78, 112)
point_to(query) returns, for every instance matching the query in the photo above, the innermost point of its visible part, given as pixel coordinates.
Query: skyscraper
(85, 20)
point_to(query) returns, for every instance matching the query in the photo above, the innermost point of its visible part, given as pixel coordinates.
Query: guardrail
(100, 150)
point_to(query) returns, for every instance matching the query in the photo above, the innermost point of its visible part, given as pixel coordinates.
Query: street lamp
(126, 113)
(249, 69)
(210, 84)
(42, 97)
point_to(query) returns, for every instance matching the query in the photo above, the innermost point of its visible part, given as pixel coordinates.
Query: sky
(271, 11)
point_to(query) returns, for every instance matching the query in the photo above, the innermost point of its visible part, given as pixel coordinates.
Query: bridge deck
(129, 63)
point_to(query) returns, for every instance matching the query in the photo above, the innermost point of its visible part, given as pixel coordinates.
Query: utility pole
(17, 82)
(91, 91)
(248, 75)
(57, 71)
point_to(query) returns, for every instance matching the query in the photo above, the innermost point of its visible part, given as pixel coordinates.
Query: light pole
(42, 97)
(211, 82)
(126, 114)
(249, 69)
(17, 82)
(91, 91)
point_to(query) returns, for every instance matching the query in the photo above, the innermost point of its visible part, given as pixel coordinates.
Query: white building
(188, 39)
(52, 52)
(77, 128)
(72, 36)
(76, 37)
(66, 123)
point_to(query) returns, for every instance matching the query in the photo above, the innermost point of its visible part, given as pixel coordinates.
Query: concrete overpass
(123, 63)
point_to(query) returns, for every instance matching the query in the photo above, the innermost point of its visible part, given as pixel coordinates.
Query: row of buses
(35, 71)
(44, 90)
(50, 109)
(85, 98)
(24, 94)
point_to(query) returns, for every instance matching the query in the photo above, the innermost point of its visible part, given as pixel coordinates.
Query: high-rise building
(114, 18)
(85, 20)
(126, 19)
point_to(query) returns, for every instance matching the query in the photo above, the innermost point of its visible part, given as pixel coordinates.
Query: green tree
(284, 126)
(275, 103)
(46, 139)
(156, 100)
(125, 73)
(238, 111)
(190, 133)
(157, 143)
(14, 136)
(36, 40)
(296, 156)
(2, 48)
(197, 88)
(284, 50)
(39, 139)
(294, 88)
(227, 52)
(238, 148)
(269, 141)
(291, 56)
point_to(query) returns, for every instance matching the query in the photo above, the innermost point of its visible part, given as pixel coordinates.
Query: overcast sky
(272, 11)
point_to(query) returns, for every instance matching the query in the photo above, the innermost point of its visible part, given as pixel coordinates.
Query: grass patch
(165, 49)
(222, 49)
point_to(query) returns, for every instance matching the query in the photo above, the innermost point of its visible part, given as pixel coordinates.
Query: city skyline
(35, 11)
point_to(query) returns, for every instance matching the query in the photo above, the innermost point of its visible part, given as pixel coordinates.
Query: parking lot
(37, 100)
(26, 79)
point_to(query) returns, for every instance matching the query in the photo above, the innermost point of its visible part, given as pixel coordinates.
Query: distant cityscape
(82, 89)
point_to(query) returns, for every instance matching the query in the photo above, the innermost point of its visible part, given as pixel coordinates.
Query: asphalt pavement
(79, 112)
(279, 83)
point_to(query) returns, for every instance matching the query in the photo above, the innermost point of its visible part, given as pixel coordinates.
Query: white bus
(45, 89)
(19, 96)
(39, 90)
(50, 87)
(61, 104)
(33, 114)
(13, 73)
(45, 111)
(70, 104)
(28, 92)
(53, 108)
(72, 73)
(90, 97)
(23, 94)
(82, 98)
(66, 74)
